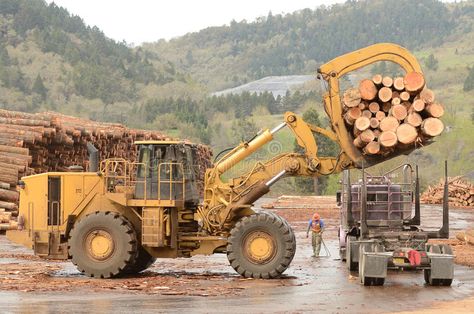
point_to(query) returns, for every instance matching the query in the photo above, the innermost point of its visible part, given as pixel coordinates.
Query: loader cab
(167, 170)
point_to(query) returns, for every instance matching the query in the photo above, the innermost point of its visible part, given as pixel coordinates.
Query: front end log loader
(117, 219)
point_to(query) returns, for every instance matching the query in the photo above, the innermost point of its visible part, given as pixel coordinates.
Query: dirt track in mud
(209, 284)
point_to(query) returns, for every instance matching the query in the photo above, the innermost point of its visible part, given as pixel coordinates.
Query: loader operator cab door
(167, 171)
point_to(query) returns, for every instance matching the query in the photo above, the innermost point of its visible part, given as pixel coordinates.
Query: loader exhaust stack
(93, 157)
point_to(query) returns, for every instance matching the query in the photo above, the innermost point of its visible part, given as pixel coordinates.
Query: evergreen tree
(469, 81)
(431, 62)
(39, 88)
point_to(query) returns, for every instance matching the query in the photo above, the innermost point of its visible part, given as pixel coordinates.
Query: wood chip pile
(386, 114)
(461, 193)
(49, 141)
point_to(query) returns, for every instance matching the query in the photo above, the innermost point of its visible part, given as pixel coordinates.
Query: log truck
(119, 216)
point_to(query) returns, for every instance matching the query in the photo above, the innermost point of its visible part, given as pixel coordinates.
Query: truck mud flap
(373, 265)
(442, 267)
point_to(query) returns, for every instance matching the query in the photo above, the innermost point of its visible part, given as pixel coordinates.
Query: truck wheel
(103, 245)
(261, 246)
(351, 266)
(143, 261)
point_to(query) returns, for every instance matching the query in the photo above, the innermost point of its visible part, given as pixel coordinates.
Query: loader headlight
(21, 184)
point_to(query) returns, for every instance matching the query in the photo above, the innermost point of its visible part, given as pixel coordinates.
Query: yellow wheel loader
(120, 216)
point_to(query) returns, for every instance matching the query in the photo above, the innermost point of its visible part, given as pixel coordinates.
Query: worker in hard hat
(316, 225)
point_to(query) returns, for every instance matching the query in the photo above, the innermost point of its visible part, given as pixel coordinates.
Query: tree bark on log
(8, 205)
(351, 97)
(9, 196)
(14, 150)
(367, 89)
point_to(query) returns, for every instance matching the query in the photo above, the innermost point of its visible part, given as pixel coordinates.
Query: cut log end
(362, 123)
(398, 84)
(372, 148)
(435, 110)
(414, 82)
(414, 119)
(387, 81)
(389, 124)
(406, 133)
(385, 94)
(388, 139)
(427, 95)
(377, 79)
(432, 127)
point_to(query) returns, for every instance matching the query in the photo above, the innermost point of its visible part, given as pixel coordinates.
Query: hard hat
(316, 216)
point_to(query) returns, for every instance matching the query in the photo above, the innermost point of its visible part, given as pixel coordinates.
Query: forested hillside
(226, 56)
(50, 59)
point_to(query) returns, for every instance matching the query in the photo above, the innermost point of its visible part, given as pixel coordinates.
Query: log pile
(460, 192)
(385, 114)
(466, 236)
(49, 141)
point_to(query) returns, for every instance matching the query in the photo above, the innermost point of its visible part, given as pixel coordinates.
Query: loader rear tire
(103, 245)
(261, 246)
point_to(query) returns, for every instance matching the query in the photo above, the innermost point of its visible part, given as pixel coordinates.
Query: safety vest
(316, 226)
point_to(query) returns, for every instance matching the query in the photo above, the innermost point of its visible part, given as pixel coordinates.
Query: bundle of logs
(466, 236)
(460, 192)
(385, 114)
(49, 141)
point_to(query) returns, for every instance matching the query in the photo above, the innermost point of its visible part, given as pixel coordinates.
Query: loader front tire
(103, 245)
(143, 261)
(261, 246)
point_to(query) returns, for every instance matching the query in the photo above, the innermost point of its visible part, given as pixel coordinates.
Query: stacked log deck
(460, 192)
(386, 114)
(49, 141)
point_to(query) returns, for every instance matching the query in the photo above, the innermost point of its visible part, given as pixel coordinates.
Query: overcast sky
(137, 21)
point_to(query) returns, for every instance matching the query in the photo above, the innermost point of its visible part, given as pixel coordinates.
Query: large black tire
(351, 266)
(261, 246)
(143, 261)
(103, 245)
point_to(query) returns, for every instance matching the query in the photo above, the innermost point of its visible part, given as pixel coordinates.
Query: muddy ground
(209, 284)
